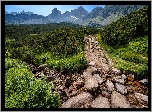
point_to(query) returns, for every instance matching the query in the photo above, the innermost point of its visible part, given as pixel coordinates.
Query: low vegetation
(23, 90)
(62, 49)
(128, 46)
(126, 28)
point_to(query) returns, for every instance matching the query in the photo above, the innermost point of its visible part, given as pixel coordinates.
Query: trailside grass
(132, 57)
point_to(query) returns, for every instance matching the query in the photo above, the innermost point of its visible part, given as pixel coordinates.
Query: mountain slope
(126, 42)
(110, 13)
(98, 17)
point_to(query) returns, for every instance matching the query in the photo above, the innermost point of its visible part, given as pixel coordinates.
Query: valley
(67, 65)
(96, 18)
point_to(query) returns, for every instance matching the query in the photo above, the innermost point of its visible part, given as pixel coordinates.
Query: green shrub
(71, 63)
(23, 90)
(10, 63)
(127, 28)
(132, 57)
(65, 41)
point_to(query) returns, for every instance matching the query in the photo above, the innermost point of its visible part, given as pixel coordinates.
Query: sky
(45, 10)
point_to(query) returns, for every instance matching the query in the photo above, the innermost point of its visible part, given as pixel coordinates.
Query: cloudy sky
(45, 10)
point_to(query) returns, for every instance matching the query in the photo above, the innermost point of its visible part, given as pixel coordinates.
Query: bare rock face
(100, 102)
(119, 101)
(78, 101)
(98, 78)
(110, 85)
(91, 84)
(140, 97)
(121, 88)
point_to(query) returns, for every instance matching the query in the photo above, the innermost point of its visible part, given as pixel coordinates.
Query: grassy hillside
(126, 42)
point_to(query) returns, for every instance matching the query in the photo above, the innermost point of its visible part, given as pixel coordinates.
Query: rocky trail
(99, 86)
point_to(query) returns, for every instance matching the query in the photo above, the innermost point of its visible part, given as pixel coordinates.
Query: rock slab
(78, 101)
(100, 102)
(144, 81)
(91, 84)
(92, 63)
(141, 97)
(121, 88)
(110, 85)
(116, 71)
(98, 78)
(119, 79)
(119, 101)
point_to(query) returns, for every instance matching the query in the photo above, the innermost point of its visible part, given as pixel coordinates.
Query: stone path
(102, 75)
(100, 85)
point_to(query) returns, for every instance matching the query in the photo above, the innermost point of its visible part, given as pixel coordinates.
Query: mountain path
(100, 85)
(102, 76)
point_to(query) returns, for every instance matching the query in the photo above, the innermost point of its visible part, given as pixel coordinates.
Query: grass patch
(132, 57)
(73, 63)
(33, 34)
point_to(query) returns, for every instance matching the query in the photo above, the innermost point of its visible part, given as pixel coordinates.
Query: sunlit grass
(132, 57)
(71, 63)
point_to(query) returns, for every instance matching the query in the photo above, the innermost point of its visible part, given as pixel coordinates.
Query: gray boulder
(121, 88)
(91, 84)
(110, 85)
(92, 63)
(123, 76)
(98, 78)
(100, 102)
(144, 81)
(119, 79)
(116, 71)
(78, 101)
(119, 101)
(140, 97)
(42, 67)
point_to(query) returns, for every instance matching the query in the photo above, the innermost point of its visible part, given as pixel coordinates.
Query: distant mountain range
(96, 18)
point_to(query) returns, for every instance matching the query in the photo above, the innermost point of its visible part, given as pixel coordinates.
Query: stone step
(78, 101)
(100, 102)
(98, 78)
(119, 101)
(121, 88)
(110, 86)
(91, 84)
(140, 97)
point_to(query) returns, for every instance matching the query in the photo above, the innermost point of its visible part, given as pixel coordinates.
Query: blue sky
(45, 10)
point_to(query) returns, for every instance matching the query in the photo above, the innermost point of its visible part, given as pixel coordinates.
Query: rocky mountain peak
(56, 11)
(81, 8)
(78, 16)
